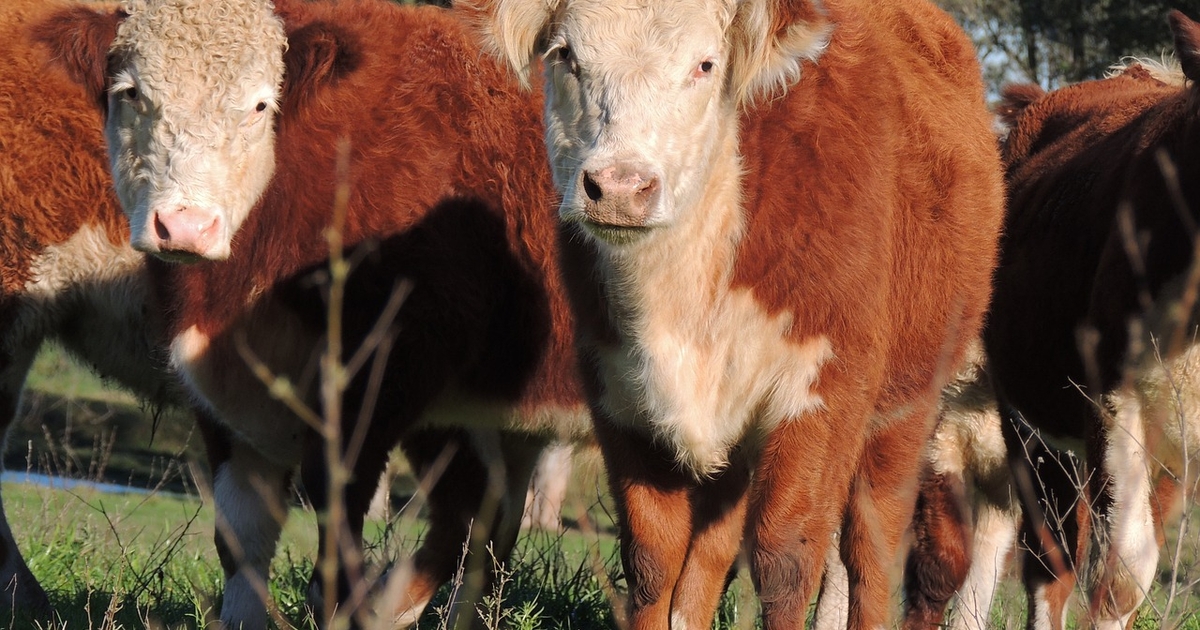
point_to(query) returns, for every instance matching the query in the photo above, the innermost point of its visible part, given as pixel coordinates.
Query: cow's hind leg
(1127, 549)
(939, 560)
(476, 482)
(878, 513)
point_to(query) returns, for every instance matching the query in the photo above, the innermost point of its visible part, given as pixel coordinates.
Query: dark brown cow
(1092, 329)
(447, 190)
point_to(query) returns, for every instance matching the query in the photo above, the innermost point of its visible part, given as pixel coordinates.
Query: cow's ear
(515, 31)
(78, 40)
(317, 55)
(1187, 43)
(769, 40)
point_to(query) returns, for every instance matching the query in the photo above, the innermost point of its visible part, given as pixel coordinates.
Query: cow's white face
(641, 95)
(634, 110)
(190, 131)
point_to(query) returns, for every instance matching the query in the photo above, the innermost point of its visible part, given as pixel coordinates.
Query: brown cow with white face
(445, 187)
(778, 224)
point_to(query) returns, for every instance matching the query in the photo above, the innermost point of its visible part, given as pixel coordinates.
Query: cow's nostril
(648, 189)
(160, 229)
(591, 188)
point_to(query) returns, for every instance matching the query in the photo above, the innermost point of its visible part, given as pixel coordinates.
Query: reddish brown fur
(448, 189)
(47, 130)
(860, 226)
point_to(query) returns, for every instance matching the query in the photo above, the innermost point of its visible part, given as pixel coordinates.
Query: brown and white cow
(778, 229)
(67, 271)
(215, 130)
(1091, 334)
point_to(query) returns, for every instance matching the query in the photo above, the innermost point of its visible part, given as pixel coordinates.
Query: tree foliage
(1052, 42)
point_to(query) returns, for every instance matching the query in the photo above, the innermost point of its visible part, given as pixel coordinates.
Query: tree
(1052, 42)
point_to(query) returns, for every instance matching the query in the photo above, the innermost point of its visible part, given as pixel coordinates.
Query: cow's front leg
(654, 511)
(250, 496)
(879, 511)
(800, 487)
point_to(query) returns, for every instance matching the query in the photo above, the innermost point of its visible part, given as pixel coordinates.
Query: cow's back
(884, 160)
(446, 176)
(1072, 157)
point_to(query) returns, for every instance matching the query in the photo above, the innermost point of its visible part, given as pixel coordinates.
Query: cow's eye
(706, 66)
(566, 57)
(131, 93)
(261, 107)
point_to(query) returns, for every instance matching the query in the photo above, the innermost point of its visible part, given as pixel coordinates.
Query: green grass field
(113, 561)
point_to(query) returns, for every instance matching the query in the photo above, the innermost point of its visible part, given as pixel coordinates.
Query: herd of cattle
(808, 303)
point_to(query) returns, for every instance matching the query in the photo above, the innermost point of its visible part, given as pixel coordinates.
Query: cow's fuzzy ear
(78, 40)
(318, 54)
(769, 40)
(1187, 43)
(515, 30)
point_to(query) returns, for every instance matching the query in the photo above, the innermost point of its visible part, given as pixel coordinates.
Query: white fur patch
(251, 510)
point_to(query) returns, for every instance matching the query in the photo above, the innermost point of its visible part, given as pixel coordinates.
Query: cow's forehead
(640, 25)
(215, 48)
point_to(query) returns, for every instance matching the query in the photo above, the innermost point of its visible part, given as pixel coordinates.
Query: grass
(116, 561)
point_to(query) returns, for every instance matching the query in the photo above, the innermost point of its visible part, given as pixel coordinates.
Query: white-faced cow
(226, 118)
(778, 228)
(67, 271)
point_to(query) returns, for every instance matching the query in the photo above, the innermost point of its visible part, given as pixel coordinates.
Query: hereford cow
(764, 328)
(67, 271)
(216, 127)
(1091, 335)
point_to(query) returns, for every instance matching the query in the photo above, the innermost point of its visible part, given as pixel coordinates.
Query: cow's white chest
(701, 377)
(217, 373)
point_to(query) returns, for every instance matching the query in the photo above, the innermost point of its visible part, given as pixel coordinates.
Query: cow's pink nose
(186, 230)
(621, 195)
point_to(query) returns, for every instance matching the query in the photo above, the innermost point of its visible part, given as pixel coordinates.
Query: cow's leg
(940, 558)
(19, 590)
(462, 466)
(250, 495)
(797, 501)
(1052, 530)
(358, 486)
(879, 511)
(450, 475)
(1127, 549)
(718, 508)
(654, 511)
(548, 488)
(995, 534)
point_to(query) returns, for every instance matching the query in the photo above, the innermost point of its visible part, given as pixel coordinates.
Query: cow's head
(191, 89)
(641, 94)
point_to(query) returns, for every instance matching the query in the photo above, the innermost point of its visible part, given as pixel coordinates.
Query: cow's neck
(681, 273)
